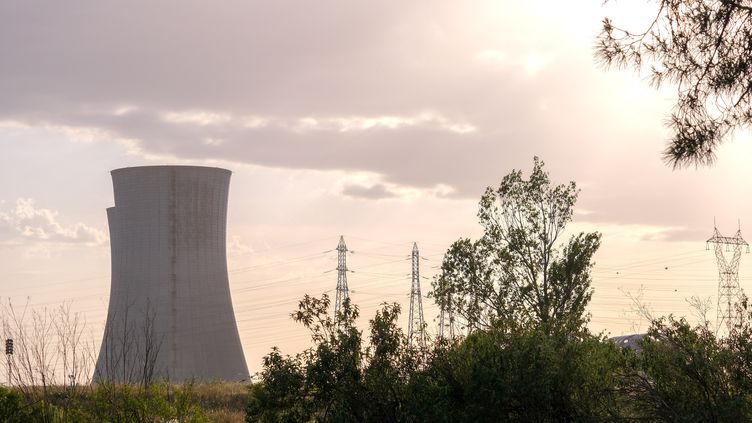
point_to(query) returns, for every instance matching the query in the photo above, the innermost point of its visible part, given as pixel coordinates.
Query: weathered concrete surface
(170, 313)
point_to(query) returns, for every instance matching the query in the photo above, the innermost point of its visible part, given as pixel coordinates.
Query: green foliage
(504, 373)
(524, 375)
(685, 373)
(337, 379)
(517, 273)
(391, 363)
(14, 409)
(739, 346)
(104, 402)
(281, 397)
(134, 403)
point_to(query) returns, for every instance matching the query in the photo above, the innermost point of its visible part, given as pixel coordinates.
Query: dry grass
(226, 416)
(222, 402)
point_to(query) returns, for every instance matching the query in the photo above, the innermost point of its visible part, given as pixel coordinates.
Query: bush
(13, 408)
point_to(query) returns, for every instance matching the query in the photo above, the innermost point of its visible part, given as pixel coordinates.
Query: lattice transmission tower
(729, 291)
(342, 291)
(416, 328)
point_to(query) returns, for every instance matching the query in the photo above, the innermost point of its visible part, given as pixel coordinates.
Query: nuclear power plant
(170, 312)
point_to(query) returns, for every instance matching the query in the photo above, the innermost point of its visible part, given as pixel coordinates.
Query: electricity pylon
(416, 327)
(729, 291)
(342, 291)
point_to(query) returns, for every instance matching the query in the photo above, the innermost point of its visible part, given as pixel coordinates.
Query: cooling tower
(170, 313)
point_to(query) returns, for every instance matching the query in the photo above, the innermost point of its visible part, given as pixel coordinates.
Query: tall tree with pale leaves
(519, 272)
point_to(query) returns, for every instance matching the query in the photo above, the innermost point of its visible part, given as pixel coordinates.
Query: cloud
(278, 84)
(435, 96)
(678, 235)
(237, 248)
(531, 62)
(26, 223)
(373, 192)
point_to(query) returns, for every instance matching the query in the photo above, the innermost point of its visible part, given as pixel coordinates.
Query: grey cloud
(374, 192)
(419, 155)
(282, 58)
(77, 63)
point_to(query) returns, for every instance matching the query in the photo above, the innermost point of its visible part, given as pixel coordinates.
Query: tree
(519, 375)
(517, 273)
(705, 48)
(131, 347)
(739, 344)
(337, 379)
(50, 353)
(685, 373)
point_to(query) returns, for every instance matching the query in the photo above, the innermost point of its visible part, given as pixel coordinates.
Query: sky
(383, 122)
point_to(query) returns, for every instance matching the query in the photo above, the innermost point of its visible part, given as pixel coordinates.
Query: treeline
(507, 372)
(520, 296)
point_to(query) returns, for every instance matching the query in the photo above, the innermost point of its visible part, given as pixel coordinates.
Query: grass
(220, 402)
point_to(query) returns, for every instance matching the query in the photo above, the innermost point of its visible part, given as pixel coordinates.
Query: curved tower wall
(170, 313)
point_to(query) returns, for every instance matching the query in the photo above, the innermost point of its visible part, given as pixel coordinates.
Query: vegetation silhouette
(526, 355)
(704, 47)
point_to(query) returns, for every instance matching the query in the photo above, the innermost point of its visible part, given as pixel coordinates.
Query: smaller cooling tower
(170, 313)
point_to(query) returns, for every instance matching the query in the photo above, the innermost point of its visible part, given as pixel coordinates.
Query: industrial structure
(416, 334)
(343, 293)
(170, 313)
(729, 291)
(630, 342)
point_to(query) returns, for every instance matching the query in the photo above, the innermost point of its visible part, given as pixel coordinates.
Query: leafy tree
(687, 374)
(338, 379)
(705, 48)
(519, 375)
(391, 364)
(517, 272)
(739, 344)
(282, 396)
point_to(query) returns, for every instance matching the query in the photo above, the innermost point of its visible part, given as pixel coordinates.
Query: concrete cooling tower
(170, 313)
